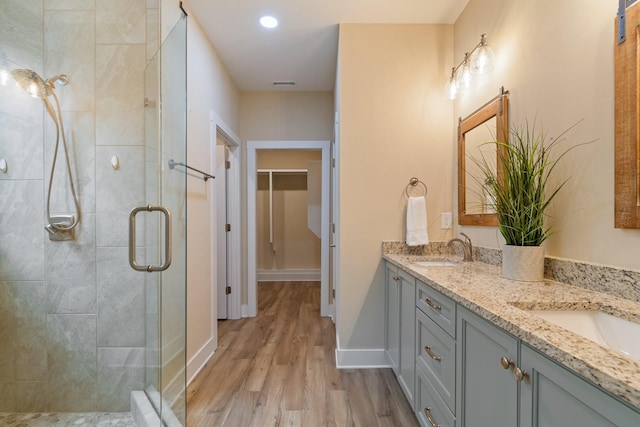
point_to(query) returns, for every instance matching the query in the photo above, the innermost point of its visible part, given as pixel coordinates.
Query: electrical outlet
(445, 220)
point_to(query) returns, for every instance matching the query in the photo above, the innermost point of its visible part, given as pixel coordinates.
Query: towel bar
(413, 182)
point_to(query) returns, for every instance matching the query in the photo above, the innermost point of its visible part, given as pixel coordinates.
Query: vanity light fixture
(478, 61)
(268, 21)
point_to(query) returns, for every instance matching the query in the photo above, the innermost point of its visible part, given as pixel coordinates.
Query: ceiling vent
(282, 83)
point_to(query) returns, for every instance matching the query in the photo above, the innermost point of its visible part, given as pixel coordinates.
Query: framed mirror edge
(497, 107)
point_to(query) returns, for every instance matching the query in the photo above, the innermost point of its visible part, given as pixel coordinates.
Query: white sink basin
(610, 331)
(437, 263)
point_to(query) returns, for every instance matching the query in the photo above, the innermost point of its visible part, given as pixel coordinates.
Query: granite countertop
(480, 288)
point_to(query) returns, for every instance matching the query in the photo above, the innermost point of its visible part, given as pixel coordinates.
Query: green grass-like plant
(523, 192)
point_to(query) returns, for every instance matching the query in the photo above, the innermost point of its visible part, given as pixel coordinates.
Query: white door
(220, 200)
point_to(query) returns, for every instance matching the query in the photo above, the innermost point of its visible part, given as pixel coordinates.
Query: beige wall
(286, 115)
(556, 58)
(296, 247)
(280, 116)
(393, 125)
(210, 88)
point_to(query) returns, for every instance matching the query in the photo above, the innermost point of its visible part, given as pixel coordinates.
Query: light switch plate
(445, 220)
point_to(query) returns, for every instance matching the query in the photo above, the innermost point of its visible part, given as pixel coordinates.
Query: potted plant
(520, 191)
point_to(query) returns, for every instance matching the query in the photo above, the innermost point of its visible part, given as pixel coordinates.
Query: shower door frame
(165, 291)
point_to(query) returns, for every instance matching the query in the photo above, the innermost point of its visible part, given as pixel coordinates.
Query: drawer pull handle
(432, 305)
(507, 363)
(431, 355)
(520, 374)
(427, 413)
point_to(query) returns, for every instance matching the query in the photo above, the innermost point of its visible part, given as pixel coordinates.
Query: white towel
(417, 221)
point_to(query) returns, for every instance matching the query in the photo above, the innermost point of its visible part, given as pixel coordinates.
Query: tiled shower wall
(72, 313)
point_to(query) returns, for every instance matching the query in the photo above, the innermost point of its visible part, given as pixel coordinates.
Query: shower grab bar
(173, 164)
(167, 242)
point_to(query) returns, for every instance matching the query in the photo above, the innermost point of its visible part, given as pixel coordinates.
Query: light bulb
(463, 78)
(450, 88)
(482, 60)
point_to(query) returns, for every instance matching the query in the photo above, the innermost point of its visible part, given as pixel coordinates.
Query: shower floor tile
(53, 419)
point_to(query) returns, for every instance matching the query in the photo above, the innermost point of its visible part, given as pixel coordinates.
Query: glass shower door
(159, 230)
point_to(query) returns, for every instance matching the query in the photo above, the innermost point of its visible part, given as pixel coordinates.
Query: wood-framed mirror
(488, 123)
(627, 109)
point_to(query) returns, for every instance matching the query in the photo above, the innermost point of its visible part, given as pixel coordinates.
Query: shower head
(31, 83)
(36, 86)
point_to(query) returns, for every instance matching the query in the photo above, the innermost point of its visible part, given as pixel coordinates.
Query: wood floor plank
(339, 413)
(262, 362)
(268, 410)
(278, 369)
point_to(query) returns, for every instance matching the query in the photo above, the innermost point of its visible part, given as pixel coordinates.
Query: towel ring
(413, 182)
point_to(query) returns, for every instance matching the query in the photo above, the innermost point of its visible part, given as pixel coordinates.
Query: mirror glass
(477, 200)
(487, 124)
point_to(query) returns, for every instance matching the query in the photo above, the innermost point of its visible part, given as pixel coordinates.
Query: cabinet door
(392, 317)
(553, 396)
(407, 334)
(487, 394)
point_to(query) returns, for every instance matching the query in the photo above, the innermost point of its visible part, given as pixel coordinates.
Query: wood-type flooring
(278, 369)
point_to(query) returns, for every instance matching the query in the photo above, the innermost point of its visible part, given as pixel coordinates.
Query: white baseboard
(361, 359)
(202, 356)
(289, 275)
(245, 311)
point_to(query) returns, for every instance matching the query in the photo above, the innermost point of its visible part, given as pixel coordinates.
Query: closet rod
(283, 170)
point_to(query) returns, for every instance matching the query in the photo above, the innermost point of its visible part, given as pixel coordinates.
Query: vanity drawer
(438, 307)
(430, 405)
(436, 355)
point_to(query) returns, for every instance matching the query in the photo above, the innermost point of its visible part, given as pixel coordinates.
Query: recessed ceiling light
(268, 21)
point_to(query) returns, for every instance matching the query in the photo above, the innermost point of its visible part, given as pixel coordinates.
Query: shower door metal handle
(167, 241)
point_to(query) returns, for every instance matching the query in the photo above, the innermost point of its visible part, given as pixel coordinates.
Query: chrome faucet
(467, 247)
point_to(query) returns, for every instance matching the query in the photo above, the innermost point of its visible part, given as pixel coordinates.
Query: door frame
(219, 129)
(251, 309)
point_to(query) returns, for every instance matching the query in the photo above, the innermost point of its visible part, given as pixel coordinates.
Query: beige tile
(121, 21)
(29, 396)
(71, 363)
(153, 32)
(69, 4)
(21, 132)
(21, 34)
(71, 271)
(118, 191)
(80, 133)
(21, 212)
(120, 371)
(70, 50)
(121, 318)
(120, 94)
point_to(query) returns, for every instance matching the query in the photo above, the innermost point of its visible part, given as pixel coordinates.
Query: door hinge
(333, 163)
(227, 227)
(227, 290)
(333, 293)
(227, 164)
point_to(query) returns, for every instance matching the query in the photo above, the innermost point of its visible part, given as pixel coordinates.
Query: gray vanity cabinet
(458, 369)
(400, 327)
(496, 387)
(392, 317)
(435, 357)
(487, 393)
(553, 396)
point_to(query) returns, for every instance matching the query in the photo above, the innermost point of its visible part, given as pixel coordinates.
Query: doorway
(225, 240)
(252, 239)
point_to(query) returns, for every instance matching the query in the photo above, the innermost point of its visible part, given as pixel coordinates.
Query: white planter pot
(524, 263)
